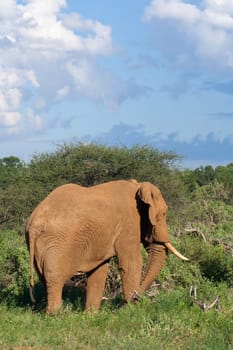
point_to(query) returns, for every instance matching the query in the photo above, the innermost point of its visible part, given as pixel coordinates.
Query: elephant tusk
(175, 252)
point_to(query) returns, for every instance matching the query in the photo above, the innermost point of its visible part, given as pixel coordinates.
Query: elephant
(79, 229)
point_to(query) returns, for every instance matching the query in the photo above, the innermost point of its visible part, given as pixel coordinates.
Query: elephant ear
(146, 195)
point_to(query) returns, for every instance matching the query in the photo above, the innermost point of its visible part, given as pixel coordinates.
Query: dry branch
(197, 232)
(203, 305)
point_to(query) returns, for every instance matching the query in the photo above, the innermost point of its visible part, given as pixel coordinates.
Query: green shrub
(214, 262)
(23, 186)
(14, 267)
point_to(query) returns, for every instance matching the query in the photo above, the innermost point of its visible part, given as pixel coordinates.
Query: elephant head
(154, 231)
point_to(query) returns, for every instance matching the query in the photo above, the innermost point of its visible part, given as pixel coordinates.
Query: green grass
(169, 320)
(172, 321)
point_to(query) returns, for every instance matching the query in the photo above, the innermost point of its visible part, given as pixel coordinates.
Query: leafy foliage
(23, 186)
(213, 261)
(14, 273)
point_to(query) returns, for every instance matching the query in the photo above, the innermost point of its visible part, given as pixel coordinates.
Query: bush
(23, 186)
(214, 262)
(14, 267)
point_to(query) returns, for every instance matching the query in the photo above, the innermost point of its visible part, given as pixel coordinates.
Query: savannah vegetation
(189, 306)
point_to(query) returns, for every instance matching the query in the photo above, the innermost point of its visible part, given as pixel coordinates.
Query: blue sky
(155, 72)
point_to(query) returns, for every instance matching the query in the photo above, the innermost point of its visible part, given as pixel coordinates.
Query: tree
(86, 165)
(224, 174)
(204, 175)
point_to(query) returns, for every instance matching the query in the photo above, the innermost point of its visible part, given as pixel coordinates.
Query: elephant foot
(134, 297)
(53, 309)
(54, 299)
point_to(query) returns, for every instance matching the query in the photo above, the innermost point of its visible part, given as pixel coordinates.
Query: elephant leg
(130, 265)
(95, 287)
(54, 296)
(54, 280)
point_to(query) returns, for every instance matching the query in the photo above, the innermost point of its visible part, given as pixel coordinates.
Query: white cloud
(42, 27)
(34, 121)
(8, 9)
(61, 93)
(203, 32)
(98, 36)
(223, 6)
(172, 9)
(46, 55)
(9, 119)
(11, 82)
(13, 122)
(102, 86)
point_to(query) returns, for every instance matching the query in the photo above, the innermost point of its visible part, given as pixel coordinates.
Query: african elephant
(78, 229)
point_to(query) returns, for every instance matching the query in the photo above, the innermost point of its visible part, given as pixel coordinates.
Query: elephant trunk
(157, 254)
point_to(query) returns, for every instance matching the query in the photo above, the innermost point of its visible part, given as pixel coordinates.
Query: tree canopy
(24, 185)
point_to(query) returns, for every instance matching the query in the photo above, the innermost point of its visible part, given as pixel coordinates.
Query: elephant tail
(30, 238)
